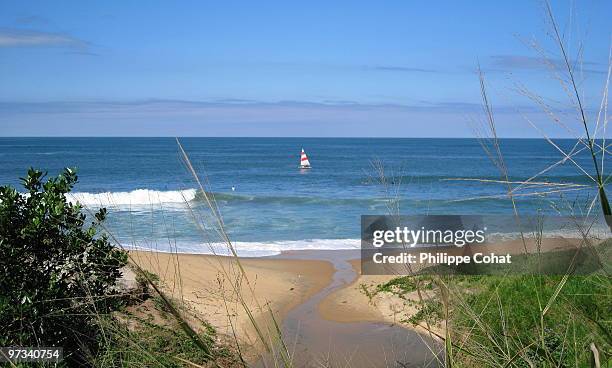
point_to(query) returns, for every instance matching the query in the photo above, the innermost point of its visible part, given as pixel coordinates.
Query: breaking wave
(141, 197)
(136, 197)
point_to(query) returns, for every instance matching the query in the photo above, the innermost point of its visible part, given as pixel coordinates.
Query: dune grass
(527, 320)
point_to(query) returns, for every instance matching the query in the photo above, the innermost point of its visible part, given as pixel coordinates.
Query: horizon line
(287, 137)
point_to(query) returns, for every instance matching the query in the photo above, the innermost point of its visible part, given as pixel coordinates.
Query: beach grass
(515, 321)
(511, 320)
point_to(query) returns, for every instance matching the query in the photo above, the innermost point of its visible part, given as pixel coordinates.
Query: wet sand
(343, 339)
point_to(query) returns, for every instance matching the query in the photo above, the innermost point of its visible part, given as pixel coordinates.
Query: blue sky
(317, 68)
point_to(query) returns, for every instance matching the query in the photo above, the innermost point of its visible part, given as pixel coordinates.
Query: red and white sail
(304, 163)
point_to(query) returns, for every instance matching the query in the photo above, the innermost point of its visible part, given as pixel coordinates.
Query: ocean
(274, 205)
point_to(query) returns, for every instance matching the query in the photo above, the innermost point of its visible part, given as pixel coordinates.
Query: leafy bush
(406, 284)
(57, 274)
(430, 310)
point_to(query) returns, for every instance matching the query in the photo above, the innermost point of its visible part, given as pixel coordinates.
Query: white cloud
(14, 38)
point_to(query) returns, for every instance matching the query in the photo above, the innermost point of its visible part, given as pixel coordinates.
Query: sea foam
(136, 197)
(251, 249)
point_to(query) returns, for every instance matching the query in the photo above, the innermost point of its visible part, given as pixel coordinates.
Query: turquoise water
(275, 205)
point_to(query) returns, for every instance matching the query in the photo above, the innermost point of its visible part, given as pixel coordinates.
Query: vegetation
(406, 284)
(58, 276)
(520, 322)
(536, 320)
(504, 320)
(524, 320)
(143, 280)
(56, 273)
(149, 345)
(148, 335)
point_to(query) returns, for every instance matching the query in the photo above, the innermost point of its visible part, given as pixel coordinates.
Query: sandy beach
(352, 304)
(308, 290)
(205, 283)
(294, 289)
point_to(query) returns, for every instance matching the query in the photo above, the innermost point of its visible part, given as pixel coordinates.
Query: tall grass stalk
(605, 205)
(496, 156)
(479, 340)
(270, 336)
(274, 331)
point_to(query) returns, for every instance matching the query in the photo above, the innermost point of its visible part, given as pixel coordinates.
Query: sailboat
(304, 163)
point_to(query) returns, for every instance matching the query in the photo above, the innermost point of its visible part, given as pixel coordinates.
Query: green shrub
(430, 311)
(57, 274)
(406, 284)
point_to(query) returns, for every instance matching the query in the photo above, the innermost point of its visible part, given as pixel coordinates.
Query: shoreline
(313, 294)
